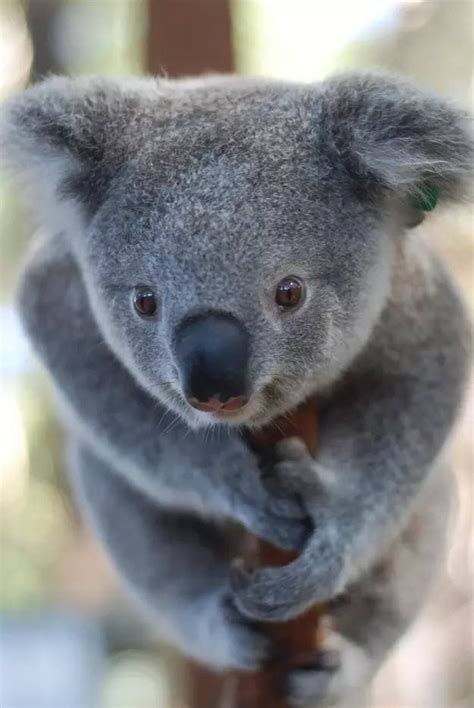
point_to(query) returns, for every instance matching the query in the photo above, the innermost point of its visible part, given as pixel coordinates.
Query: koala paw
(278, 524)
(292, 472)
(278, 594)
(342, 671)
(228, 640)
(275, 513)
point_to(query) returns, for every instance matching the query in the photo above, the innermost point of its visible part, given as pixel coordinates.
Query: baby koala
(219, 251)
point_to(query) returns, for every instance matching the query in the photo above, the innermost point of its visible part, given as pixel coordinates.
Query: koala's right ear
(66, 139)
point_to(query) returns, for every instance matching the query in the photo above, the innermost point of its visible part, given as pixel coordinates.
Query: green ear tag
(427, 199)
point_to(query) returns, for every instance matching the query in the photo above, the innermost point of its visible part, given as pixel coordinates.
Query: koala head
(235, 236)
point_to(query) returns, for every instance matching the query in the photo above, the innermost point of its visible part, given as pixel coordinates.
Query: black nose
(212, 354)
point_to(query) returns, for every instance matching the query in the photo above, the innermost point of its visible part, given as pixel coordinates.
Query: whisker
(173, 423)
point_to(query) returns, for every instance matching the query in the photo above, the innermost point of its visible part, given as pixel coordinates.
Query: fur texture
(210, 191)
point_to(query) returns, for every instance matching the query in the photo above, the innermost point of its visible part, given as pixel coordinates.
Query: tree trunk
(295, 641)
(188, 37)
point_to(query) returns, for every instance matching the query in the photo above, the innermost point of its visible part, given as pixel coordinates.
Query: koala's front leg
(368, 619)
(178, 466)
(380, 440)
(174, 564)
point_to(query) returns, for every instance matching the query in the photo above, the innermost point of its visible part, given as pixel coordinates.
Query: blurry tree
(186, 37)
(41, 18)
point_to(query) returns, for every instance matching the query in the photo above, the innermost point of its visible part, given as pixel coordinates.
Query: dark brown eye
(144, 301)
(289, 293)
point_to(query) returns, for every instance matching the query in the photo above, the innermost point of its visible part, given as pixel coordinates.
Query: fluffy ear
(67, 139)
(394, 138)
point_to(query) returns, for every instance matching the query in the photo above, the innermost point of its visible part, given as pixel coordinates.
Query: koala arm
(173, 563)
(179, 467)
(381, 436)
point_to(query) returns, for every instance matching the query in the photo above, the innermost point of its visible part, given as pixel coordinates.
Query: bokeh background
(69, 639)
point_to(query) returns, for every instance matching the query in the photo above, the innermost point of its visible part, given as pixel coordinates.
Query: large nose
(212, 355)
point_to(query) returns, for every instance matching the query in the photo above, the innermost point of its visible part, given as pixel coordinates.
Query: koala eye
(289, 293)
(144, 301)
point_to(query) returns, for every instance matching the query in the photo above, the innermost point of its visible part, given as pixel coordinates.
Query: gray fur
(210, 191)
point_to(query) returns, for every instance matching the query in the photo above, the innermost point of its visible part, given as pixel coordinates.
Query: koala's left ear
(65, 137)
(396, 139)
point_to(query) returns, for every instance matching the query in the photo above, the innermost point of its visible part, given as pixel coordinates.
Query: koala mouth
(254, 410)
(266, 402)
(218, 407)
(240, 413)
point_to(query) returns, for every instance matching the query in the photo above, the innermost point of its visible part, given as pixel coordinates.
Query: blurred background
(68, 637)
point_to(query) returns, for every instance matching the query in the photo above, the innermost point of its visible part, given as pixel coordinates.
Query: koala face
(235, 275)
(235, 236)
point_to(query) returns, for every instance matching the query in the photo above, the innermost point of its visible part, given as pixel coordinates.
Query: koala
(217, 251)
